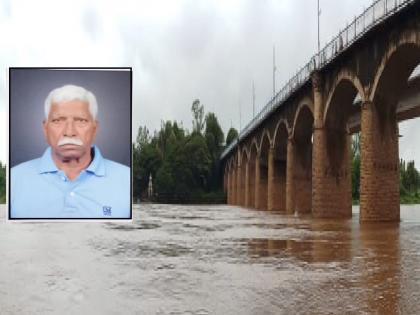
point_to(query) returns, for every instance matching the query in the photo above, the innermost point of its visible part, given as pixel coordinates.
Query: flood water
(211, 260)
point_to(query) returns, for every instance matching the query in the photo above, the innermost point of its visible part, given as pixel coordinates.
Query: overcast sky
(179, 51)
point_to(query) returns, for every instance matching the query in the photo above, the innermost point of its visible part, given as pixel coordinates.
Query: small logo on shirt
(106, 210)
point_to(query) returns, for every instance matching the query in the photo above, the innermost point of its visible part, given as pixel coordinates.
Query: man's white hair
(68, 93)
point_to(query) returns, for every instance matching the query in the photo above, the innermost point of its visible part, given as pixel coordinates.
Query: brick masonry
(317, 177)
(379, 169)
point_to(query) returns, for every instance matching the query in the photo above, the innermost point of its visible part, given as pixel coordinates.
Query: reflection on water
(211, 260)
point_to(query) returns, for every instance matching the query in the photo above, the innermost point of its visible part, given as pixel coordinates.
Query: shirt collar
(97, 166)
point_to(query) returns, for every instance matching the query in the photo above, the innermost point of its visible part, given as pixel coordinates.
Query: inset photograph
(70, 143)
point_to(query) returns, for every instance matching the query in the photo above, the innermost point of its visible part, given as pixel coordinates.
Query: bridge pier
(276, 189)
(260, 185)
(263, 191)
(281, 200)
(239, 185)
(257, 183)
(271, 184)
(247, 185)
(332, 174)
(379, 169)
(290, 184)
(229, 188)
(303, 177)
(252, 180)
(331, 170)
(233, 195)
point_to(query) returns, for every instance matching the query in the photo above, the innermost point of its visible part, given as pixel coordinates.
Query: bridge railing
(373, 15)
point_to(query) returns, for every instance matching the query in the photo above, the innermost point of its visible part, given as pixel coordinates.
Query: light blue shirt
(40, 190)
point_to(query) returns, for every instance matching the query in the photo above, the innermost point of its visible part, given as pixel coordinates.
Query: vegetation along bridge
(295, 155)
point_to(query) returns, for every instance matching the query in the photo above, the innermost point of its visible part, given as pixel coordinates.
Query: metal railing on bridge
(373, 15)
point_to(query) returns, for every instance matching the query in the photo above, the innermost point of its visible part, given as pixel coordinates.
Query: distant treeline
(184, 166)
(409, 177)
(2, 183)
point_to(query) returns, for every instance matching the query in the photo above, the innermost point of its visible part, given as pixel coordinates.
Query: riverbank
(217, 197)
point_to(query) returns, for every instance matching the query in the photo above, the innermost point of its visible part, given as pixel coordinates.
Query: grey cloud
(6, 7)
(91, 23)
(205, 53)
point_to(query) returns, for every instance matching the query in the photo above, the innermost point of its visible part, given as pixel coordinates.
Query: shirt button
(72, 194)
(63, 178)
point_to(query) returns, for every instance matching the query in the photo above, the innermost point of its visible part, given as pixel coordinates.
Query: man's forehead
(70, 106)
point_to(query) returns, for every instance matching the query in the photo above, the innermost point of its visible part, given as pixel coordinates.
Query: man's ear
(96, 126)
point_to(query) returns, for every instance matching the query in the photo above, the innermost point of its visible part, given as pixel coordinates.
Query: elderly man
(71, 179)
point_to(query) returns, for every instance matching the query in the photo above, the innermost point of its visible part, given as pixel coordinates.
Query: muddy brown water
(214, 259)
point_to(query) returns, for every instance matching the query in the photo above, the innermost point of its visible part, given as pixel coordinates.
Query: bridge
(295, 155)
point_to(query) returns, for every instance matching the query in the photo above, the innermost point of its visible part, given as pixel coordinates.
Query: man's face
(70, 129)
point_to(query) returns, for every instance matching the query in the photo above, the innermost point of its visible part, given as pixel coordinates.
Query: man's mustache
(67, 140)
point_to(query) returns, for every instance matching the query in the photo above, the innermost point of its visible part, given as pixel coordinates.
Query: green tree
(214, 139)
(165, 180)
(231, 135)
(214, 135)
(410, 177)
(143, 137)
(184, 165)
(198, 116)
(199, 161)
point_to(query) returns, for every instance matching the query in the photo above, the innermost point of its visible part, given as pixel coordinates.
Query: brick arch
(281, 122)
(345, 76)
(238, 156)
(302, 157)
(399, 60)
(254, 143)
(334, 143)
(276, 188)
(253, 155)
(261, 191)
(244, 152)
(265, 138)
(265, 133)
(410, 40)
(306, 102)
(231, 162)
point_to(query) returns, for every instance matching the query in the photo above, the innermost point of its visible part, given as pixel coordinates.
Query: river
(218, 259)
